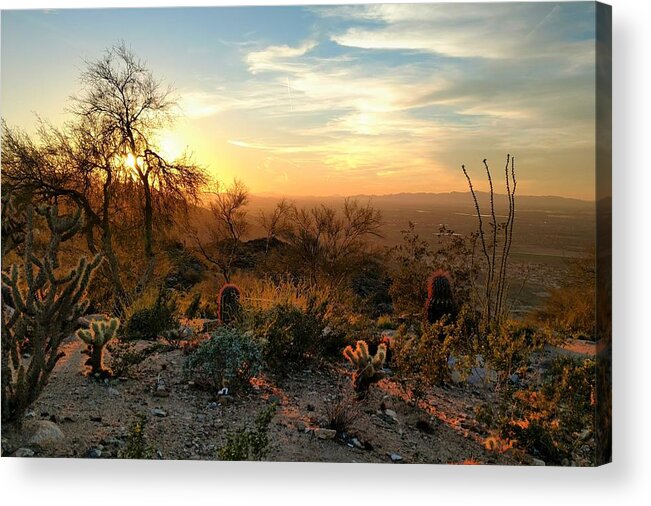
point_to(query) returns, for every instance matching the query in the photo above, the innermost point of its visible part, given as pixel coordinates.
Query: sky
(340, 100)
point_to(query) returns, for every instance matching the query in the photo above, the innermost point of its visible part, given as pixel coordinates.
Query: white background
(625, 482)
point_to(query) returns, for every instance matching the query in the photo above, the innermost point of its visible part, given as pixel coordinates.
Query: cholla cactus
(13, 225)
(47, 305)
(99, 334)
(229, 307)
(440, 301)
(369, 369)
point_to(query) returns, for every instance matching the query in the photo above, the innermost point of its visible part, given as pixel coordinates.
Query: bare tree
(229, 226)
(328, 242)
(122, 94)
(277, 222)
(105, 160)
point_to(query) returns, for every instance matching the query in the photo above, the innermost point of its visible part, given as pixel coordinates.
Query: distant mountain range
(451, 200)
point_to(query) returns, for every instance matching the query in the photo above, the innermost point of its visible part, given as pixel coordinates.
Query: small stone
(24, 452)
(213, 405)
(325, 433)
(300, 425)
(537, 462)
(96, 419)
(356, 443)
(158, 412)
(392, 414)
(94, 453)
(114, 392)
(161, 392)
(395, 457)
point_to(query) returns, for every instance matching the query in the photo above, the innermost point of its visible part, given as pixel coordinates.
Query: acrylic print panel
(367, 233)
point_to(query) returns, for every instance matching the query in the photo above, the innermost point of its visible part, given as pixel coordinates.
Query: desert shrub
(385, 322)
(249, 443)
(137, 446)
(550, 421)
(507, 348)
(341, 413)
(228, 359)
(370, 285)
(194, 308)
(289, 335)
(414, 257)
(422, 358)
(150, 322)
(124, 354)
(187, 269)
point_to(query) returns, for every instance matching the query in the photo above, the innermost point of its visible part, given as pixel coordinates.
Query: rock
(537, 462)
(159, 412)
(94, 453)
(185, 332)
(6, 447)
(161, 391)
(24, 452)
(391, 414)
(356, 443)
(114, 392)
(213, 405)
(325, 433)
(45, 432)
(394, 457)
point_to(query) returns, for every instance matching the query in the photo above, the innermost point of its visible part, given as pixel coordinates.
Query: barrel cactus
(440, 301)
(230, 307)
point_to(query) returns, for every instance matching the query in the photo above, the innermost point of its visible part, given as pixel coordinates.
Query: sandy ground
(95, 417)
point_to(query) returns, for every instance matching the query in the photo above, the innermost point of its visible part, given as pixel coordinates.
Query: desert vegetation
(294, 333)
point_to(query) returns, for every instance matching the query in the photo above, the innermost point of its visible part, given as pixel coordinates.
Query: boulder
(44, 432)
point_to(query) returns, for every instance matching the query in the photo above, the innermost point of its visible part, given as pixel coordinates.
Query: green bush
(547, 421)
(249, 444)
(421, 358)
(149, 323)
(228, 359)
(137, 446)
(290, 336)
